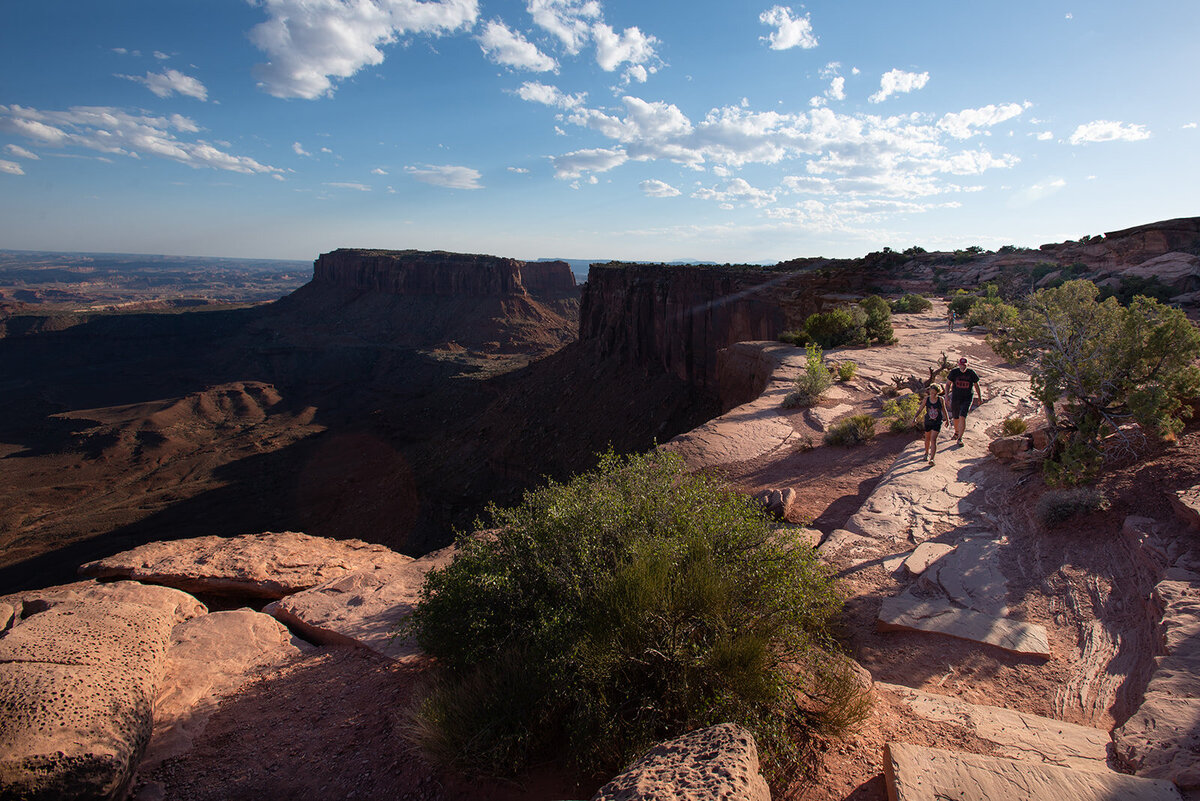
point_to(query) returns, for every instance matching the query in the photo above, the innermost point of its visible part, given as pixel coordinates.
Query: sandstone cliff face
(413, 273)
(678, 317)
(1132, 246)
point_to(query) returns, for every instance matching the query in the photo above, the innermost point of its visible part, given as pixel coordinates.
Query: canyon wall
(1132, 246)
(678, 317)
(413, 272)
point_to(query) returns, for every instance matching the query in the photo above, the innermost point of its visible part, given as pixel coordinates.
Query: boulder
(720, 762)
(78, 676)
(211, 658)
(1008, 449)
(1179, 271)
(915, 773)
(777, 502)
(268, 565)
(1187, 506)
(362, 608)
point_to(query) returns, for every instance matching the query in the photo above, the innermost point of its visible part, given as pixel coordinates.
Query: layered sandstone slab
(1016, 735)
(363, 608)
(78, 680)
(720, 762)
(915, 773)
(210, 658)
(1187, 506)
(269, 565)
(906, 612)
(925, 555)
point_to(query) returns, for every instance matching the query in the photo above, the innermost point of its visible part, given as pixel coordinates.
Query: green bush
(1014, 426)
(840, 326)
(1057, 506)
(624, 607)
(994, 316)
(898, 413)
(846, 370)
(799, 338)
(911, 304)
(962, 301)
(878, 326)
(853, 430)
(810, 384)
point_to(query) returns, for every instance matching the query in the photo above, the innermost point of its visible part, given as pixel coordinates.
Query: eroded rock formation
(416, 272)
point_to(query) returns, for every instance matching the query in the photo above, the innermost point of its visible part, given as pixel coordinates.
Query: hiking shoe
(931, 461)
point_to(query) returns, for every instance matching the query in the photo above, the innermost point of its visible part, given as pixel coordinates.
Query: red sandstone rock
(414, 272)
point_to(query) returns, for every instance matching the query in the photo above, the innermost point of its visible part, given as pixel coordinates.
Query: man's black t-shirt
(962, 382)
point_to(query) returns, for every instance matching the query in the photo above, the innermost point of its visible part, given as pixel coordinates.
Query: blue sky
(662, 130)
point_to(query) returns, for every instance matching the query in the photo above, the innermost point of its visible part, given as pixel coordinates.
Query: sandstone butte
(97, 678)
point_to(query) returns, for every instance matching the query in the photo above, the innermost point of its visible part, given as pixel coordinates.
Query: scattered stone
(1187, 506)
(777, 502)
(362, 608)
(1008, 449)
(268, 565)
(78, 675)
(906, 612)
(916, 773)
(925, 555)
(1017, 735)
(720, 762)
(210, 658)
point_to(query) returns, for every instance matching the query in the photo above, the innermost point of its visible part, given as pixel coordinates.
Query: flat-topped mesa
(439, 273)
(678, 317)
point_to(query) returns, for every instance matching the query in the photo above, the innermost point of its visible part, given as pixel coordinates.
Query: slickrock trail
(981, 637)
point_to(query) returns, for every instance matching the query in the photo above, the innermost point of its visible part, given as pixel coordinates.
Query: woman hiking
(933, 409)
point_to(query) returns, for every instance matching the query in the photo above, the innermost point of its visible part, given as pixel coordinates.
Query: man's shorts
(960, 408)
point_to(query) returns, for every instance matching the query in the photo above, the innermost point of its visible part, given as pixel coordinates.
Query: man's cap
(962, 360)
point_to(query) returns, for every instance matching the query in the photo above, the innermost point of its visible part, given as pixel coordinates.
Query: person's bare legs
(933, 438)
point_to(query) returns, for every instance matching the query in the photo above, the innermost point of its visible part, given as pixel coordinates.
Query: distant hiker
(952, 315)
(959, 385)
(933, 410)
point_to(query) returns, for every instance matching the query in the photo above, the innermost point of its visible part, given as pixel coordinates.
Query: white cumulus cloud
(568, 20)
(114, 131)
(575, 164)
(536, 92)
(630, 46)
(898, 81)
(965, 124)
(1106, 131)
(790, 31)
(312, 43)
(447, 175)
(11, 167)
(164, 84)
(656, 188)
(736, 190)
(510, 49)
(299, 150)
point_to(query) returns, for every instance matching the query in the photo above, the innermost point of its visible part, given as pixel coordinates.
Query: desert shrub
(1131, 286)
(995, 315)
(853, 430)
(878, 326)
(840, 326)
(815, 379)
(1057, 506)
(898, 413)
(962, 301)
(799, 338)
(846, 370)
(621, 608)
(1014, 426)
(911, 304)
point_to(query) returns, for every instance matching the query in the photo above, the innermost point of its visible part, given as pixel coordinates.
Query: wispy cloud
(165, 84)
(576, 163)
(11, 167)
(1106, 131)
(20, 152)
(966, 123)
(379, 171)
(117, 132)
(790, 31)
(447, 175)
(737, 190)
(357, 187)
(536, 92)
(299, 150)
(898, 82)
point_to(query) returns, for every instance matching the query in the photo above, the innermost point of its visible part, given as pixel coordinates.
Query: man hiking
(959, 385)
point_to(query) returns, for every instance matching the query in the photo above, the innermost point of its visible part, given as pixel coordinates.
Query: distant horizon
(667, 131)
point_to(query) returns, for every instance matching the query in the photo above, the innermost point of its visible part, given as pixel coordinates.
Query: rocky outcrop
(363, 608)
(78, 676)
(268, 565)
(720, 762)
(1133, 246)
(415, 272)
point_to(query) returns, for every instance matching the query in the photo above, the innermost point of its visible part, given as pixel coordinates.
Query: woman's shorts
(933, 425)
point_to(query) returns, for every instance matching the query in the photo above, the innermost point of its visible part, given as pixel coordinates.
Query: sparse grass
(1014, 426)
(853, 430)
(1057, 506)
